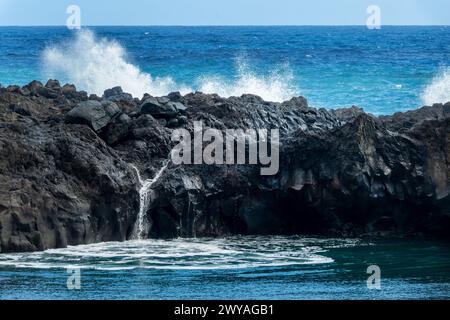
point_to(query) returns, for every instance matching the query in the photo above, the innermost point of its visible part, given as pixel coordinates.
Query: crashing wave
(438, 91)
(95, 65)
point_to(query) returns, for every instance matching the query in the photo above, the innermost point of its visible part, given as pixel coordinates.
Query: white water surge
(438, 91)
(141, 227)
(185, 254)
(96, 64)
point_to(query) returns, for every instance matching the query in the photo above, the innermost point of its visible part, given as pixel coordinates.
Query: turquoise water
(232, 268)
(384, 71)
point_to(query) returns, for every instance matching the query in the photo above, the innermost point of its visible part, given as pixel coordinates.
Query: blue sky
(225, 12)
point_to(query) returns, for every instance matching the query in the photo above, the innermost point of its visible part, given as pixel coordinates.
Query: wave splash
(95, 65)
(439, 89)
(278, 86)
(99, 64)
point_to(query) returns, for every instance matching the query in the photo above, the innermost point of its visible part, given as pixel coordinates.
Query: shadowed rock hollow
(66, 176)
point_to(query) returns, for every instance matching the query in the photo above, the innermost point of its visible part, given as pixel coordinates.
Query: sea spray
(438, 91)
(141, 226)
(277, 86)
(95, 64)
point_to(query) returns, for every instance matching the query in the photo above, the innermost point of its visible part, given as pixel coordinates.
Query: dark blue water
(384, 71)
(233, 268)
(387, 70)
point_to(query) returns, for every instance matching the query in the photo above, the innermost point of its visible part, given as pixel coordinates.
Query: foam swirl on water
(201, 254)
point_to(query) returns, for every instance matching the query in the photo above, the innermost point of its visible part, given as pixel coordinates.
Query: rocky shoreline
(67, 177)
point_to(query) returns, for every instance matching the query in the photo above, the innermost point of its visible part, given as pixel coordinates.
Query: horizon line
(232, 25)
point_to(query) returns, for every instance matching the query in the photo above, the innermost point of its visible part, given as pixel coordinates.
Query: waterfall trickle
(141, 227)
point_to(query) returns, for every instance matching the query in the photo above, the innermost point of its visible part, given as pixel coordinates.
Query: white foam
(95, 65)
(438, 91)
(277, 86)
(184, 254)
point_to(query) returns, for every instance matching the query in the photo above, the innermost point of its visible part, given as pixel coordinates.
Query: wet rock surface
(66, 176)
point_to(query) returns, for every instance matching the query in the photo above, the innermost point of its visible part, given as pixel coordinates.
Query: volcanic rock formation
(67, 172)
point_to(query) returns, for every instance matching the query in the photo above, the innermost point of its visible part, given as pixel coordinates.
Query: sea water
(231, 268)
(384, 71)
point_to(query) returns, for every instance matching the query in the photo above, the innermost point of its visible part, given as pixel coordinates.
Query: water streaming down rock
(141, 227)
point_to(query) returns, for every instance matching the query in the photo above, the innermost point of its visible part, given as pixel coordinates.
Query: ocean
(384, 71)
(291, 268)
